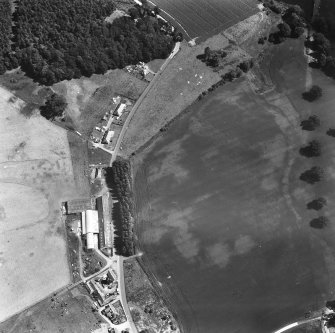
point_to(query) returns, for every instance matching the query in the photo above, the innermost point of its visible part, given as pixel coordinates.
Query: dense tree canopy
(5, 32)
(63, 39)
(118, 179)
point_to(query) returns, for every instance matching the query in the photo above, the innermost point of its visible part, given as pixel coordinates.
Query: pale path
(297, 323)
(140, 100)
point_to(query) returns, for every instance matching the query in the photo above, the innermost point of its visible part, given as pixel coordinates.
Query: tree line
(55, 40)
(118, 179)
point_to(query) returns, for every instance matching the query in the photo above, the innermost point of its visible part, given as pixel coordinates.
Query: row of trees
(313, 149)
(242, 67)
(118, 179)
(55, 40)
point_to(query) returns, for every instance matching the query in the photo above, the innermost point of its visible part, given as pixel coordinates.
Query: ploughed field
(221, 211)
(207, 17)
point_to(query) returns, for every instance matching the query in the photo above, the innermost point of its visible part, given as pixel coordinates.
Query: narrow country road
(140, 100)
(123, 297)
(114, 155)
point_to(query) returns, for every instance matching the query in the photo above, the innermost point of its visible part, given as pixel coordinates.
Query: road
(297, 323)
(123, 297)
(120, 259)
(140, 100)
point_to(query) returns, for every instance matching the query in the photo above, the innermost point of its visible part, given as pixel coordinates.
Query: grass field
(90, 98)
(181, 83)
(207, 17)
(35, 177)
(70, 312)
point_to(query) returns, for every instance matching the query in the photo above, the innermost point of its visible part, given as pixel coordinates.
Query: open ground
(35, 176)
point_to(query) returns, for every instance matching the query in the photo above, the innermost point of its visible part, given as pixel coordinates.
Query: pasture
(203, 18)
(35, 177)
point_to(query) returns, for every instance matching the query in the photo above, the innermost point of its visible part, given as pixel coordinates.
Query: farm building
(78, 205)
(90, 228)
(119, 110)
(107, 137)
(105, 287)
(106, 232)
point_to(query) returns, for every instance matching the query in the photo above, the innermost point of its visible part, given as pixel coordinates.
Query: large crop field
(207, 17)
(222, 212)
(35, 177)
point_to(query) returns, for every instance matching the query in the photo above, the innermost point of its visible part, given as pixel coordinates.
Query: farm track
(201, 17)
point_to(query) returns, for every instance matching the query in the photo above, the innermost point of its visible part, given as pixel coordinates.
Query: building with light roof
(90, 228)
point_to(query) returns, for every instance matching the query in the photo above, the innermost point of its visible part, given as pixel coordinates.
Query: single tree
(313, 94)
(311, 123)
(53, 107)
(312, 176)
(331, 132)
(313, 149)
(317, 204)
(319, 222)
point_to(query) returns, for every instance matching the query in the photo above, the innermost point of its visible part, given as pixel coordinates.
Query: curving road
(297, 323)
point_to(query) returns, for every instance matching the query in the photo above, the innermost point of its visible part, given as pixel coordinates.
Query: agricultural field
(36, 175)
(203, 18)
(90, 98)
(67, 312)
